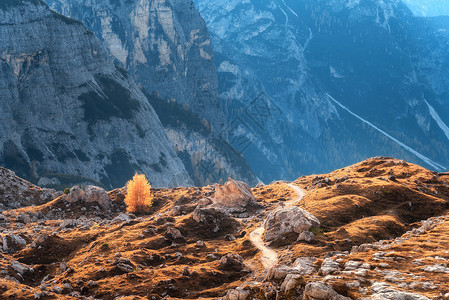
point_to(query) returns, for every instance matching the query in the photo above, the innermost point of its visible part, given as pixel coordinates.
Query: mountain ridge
(373, 230)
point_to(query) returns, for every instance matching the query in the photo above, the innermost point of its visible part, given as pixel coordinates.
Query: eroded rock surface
(286, 224)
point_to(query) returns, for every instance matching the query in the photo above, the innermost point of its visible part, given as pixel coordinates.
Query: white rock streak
(289, 8)
(438, 119)
(427, 160)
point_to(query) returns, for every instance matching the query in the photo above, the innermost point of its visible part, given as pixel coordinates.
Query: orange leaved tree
(138, 198)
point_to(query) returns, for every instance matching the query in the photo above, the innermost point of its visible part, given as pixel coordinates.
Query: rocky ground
(374, 230)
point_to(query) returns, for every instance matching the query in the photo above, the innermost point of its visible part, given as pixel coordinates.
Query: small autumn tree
(138, 198)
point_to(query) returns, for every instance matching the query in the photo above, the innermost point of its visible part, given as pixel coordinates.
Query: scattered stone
(40, 240)
(200, 244)
(212, 221)
(306, 236)
(69, 223)
(305, 265)
(20, 268)
(231, 262)
(329, 266)
(291, 282)
(122, 218)
(12, 243)
(237, 294)
(125, 267)
(383, 291)
(174, 234)
(229, 237)
(436, 268)
(278, 273)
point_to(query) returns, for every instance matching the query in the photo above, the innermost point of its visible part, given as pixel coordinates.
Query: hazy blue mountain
(428, 8)
(310, 86)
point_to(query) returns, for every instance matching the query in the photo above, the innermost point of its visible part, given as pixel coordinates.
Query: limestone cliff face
(166, 48)
(67, 109)
(164, 44)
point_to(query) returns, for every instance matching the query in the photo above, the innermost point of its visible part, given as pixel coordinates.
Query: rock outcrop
(286, 224)
(69, 115)
(16, 192)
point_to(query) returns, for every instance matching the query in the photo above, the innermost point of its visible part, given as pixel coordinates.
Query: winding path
(269, 256)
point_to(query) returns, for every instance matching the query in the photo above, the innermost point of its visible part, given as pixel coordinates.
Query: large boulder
(90, 194)
(285, 225)
(97, 194)
(321, 291)
(234, 196)
(16, 192)
(76, 194)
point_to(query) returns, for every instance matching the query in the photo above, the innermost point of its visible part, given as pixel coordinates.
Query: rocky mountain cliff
(165, 46)
(310, 86)
(67, 109)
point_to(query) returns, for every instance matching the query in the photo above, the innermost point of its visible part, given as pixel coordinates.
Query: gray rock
(213, 221)
(278, 273)
(237, 294)
(329, 266)
(122, 218)
(41, 239)
(436, 268)
(231, 262)
(306, 236)
(285, 225)
(291, 282)
(383, 291)
(305, 265)
(20, 268)
(76, 194)
(173, 233)
(17, 192)
(234, 196)
(12, 243)
(99, 195)
(321, 291)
